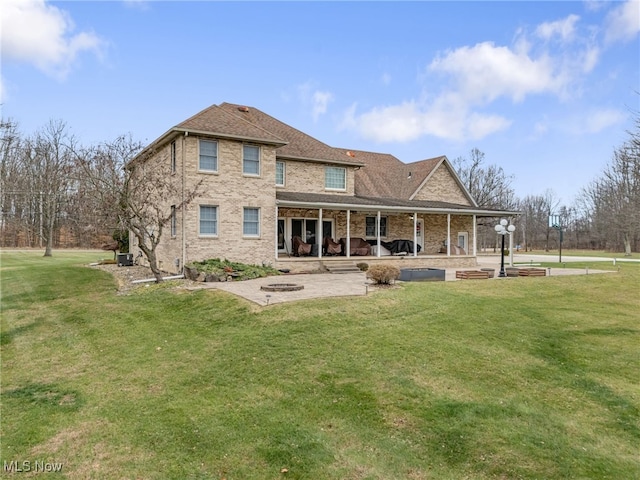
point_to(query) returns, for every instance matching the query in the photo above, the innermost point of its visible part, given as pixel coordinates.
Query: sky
(546, 90)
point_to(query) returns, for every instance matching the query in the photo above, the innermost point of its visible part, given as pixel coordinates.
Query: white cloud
(623, 22)
(463, 87)
(320, 102)
(315, 99)
(410, 121)
(41, 34)
(602, 119)
(485, 72)
(564, 29)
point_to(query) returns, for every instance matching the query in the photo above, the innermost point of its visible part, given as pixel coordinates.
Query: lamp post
(503, 230)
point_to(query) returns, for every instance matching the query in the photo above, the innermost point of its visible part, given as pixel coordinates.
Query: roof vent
(351, 154)
(243, 109)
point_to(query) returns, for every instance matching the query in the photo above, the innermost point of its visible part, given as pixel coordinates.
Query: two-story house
(266, 187)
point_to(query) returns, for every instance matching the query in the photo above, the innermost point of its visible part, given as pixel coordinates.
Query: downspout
(184, 207)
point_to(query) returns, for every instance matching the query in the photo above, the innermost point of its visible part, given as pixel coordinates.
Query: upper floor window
(250, 160)
(208, 220)
(208, 156)
(174, 221)
(251, 222)
(173, 157)
(371, 226)
(280, 174)
(335, 178)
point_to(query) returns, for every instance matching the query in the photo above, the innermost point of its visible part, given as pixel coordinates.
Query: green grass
(532, 378)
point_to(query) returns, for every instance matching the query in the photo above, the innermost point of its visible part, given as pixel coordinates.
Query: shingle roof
(366, 202)
(216, 121)
(384, 175)
(299, 144)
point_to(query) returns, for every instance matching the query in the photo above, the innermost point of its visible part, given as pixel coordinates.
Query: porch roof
(363, 203)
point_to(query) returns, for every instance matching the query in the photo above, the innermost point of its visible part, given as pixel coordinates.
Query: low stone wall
(313, 264)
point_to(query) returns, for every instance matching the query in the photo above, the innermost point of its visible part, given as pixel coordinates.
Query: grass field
(525, 378)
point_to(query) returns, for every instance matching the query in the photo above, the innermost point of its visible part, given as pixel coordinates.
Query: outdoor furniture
(532, 272)
(472, 274)
(357, 246)
(300, 248)
(330, 247)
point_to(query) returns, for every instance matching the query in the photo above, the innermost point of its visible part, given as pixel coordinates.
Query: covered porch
(340, 228)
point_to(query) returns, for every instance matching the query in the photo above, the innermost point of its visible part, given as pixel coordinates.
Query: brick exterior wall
(399, 226)
(230, 190)
(309, 177)
(442, 186)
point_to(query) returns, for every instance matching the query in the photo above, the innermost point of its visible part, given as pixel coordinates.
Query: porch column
(348, 246)
(378, 233)
(448, 234)
(276, 235)
(415, 234)
(475, 241)
(321, 234)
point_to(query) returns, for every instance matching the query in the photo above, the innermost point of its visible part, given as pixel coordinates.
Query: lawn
(522, 378)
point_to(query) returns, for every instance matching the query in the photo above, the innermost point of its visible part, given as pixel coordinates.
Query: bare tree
(612, 201)
(489, 185)
(136, 191)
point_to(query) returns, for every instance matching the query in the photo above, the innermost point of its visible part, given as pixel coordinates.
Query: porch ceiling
(355, 202)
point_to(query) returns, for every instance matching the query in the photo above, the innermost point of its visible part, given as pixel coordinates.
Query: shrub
(383, 274)
(363, 266)
(241, 271)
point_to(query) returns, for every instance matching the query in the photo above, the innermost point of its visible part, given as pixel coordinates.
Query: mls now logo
(15, 466)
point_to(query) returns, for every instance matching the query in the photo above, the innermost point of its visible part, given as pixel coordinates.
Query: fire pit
(282, 287)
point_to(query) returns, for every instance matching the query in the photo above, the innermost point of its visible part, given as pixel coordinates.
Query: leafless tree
(534, 219)
(136, 191)
(490, 186)
(611, 202)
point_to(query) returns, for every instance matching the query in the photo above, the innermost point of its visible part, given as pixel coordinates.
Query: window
(251, 222)
(250, 160)
(280, 174)
(208, 220)
(208, 156)
(371, 227)
(335, 178)
(174, 221)
(173, 157)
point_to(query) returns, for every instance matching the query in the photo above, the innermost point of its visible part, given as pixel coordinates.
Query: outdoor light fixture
(504, 230)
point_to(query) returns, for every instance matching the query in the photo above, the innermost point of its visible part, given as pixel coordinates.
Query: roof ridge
(247, 121)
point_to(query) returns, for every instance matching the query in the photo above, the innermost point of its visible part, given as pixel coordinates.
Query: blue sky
(545, 89)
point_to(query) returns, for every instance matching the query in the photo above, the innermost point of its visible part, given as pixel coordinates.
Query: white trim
(250, 174)
(284, 173)
(209, 235)
(217, 169)
(244, 211)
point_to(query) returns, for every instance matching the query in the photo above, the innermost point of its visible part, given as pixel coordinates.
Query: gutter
(390, 208)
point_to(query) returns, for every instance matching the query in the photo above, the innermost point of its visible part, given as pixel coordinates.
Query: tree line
(57, 193)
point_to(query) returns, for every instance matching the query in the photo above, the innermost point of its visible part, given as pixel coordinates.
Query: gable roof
(218, 122)
(299, 146)
(385, 176)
